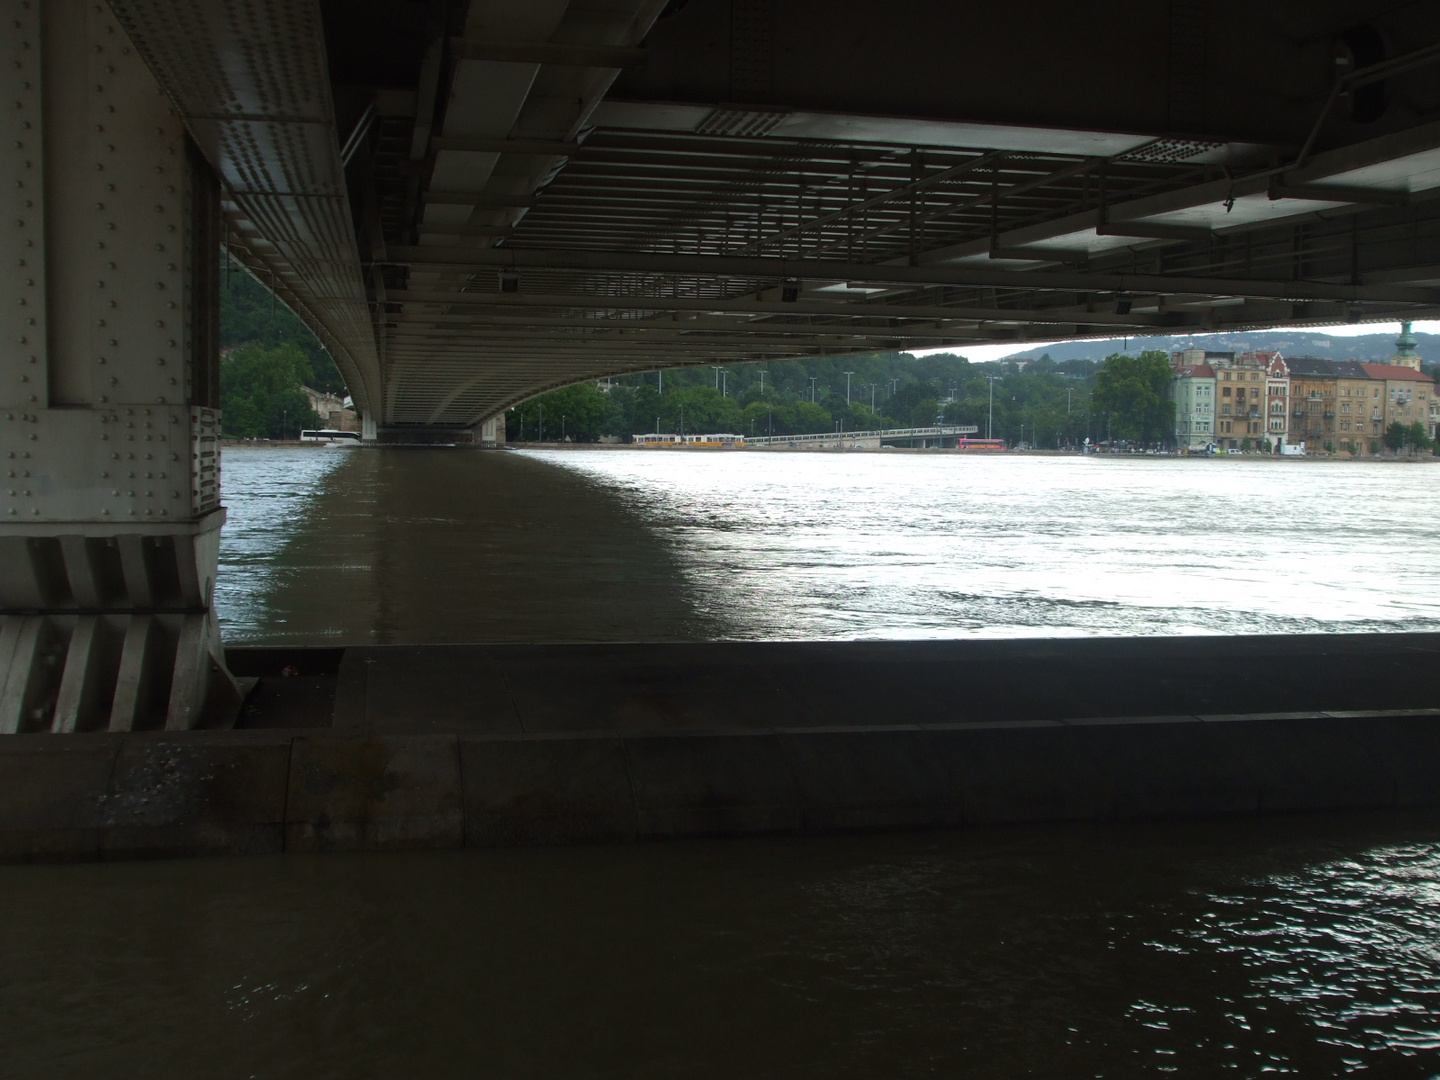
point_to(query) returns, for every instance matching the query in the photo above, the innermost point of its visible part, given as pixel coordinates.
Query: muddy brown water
(1293, 947)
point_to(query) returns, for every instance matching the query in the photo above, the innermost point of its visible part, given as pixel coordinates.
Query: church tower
(1406, 357)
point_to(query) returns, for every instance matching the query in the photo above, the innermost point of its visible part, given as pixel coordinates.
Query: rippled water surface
(1248, 949)
(655, 545)
(1302, 947)
(890, 545)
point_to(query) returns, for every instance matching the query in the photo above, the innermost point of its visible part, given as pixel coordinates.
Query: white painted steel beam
(109, 431)
(250, 79)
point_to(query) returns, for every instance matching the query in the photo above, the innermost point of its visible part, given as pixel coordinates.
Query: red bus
(980, 444)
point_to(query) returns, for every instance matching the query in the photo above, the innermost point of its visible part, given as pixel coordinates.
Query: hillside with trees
(266, 355)
(1045, 403)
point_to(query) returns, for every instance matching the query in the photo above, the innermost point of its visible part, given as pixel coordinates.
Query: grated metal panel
(250, 79)
(204, 460)
(740, 122)
(1171, 151)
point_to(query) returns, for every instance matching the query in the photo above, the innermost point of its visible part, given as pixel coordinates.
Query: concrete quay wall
(102, 796)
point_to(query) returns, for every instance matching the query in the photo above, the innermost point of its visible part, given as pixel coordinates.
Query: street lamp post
(847, 386)
(990, 419)
(812, 390)
(284, 423)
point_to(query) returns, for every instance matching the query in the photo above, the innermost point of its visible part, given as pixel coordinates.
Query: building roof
(1394, 372)
(1351, 369)
(1310, 365)
(1197, 371)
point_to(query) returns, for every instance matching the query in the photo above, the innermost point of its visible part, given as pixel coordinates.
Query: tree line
(1044, 403)
(266, 356)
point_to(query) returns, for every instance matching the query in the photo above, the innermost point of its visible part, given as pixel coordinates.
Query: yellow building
(1240, 398)
(1359, 408)
(1407, 394)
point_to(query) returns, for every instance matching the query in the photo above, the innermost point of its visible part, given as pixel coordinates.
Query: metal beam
(1154, 232)
(547, 52)
(1340, 193)
(771, 307)
(779, 269)
(542, 147)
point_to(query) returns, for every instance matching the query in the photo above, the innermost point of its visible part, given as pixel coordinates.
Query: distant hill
(1367, 348)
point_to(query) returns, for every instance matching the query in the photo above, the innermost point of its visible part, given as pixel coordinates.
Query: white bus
(334, 438)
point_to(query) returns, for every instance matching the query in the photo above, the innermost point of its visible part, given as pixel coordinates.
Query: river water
(435, 546)
(1298, 947)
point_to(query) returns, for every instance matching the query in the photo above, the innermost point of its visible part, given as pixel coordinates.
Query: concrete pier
(444, 747)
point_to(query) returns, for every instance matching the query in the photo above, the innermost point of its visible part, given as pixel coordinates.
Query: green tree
(1400, 437)
(249, 315)
(577, 413)
(260, 392)
(1131, 390)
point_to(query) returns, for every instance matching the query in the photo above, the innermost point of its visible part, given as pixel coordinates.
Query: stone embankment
(480, 746)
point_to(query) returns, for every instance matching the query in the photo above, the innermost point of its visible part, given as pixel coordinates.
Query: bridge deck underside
(528, 212)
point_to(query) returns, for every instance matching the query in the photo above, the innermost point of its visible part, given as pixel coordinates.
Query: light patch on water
(266, 493)
(820, 546)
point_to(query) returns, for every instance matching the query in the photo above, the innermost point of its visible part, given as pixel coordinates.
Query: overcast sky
(981, 353)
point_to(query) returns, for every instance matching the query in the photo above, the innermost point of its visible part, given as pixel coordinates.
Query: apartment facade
(1277, 402)
(1406, 396)
(1240, 386)
(1193, 392)
(1359, 411)
(1312, 401)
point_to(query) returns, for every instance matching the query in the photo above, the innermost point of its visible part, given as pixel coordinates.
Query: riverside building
(1312, 401)
(1240, 383)
(1403, 394)
(1193, 392)
(1359, 411)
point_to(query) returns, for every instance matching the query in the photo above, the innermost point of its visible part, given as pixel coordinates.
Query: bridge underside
(475, 201)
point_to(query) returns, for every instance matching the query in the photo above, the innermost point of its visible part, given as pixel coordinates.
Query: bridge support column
(492, 432)
(109, 348)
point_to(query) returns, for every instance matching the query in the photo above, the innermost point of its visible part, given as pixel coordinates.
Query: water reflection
(433, 546)
(1299, 948)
